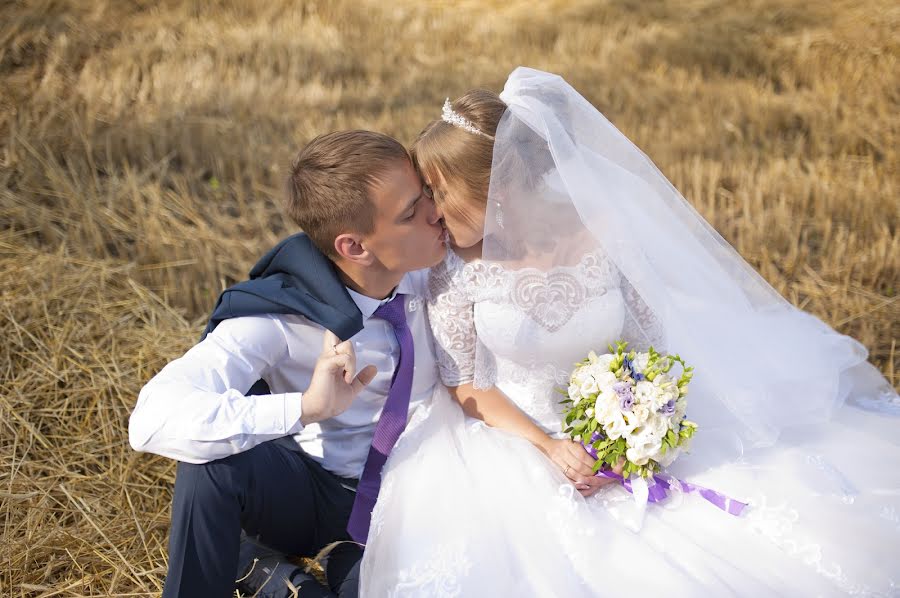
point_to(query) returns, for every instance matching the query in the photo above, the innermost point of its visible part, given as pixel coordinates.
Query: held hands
(334, 382)
(576, 464)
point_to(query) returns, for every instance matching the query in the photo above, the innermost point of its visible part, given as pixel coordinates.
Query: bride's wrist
(543, 442)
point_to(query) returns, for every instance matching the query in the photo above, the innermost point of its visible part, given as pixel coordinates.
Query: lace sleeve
(451, 314)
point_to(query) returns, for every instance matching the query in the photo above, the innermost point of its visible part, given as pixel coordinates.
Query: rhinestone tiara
(449, 115)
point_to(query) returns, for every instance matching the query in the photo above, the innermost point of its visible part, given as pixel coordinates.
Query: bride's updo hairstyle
(460, 147)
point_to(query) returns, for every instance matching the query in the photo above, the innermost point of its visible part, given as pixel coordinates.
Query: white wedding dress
(469, 510)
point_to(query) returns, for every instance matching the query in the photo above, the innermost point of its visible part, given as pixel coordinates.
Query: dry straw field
(143, 145)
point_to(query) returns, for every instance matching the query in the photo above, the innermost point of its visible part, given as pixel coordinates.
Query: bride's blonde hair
(461, 156)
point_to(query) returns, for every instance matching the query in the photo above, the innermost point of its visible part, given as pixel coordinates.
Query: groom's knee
(215, 480)
(342, 570)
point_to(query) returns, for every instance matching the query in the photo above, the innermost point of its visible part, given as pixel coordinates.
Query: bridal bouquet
(631, 406)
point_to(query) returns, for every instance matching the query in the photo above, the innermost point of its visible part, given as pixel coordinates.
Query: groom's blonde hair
(330, 183)
(461, 157)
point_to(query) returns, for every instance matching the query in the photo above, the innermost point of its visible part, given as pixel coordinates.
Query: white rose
(642, 453)
(604, 378)
(663, 394)
(639, 363)
(640, 412)
(606, 407)
(647, 442)
(616, 426)
(658, 424)
(602, 362)
(666, 385)
(650, 431)
(637, 455)
(667, 459)
(612, 430)
(658, 401)
(589, 386)
(644, 391)
(579, 375)
(631, 422)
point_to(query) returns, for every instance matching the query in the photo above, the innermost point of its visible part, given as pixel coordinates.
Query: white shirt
(194, 409)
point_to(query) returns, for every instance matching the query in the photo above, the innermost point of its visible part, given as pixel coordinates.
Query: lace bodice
(522, 330)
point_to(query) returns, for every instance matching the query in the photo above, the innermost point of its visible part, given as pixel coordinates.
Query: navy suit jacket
(294, 277)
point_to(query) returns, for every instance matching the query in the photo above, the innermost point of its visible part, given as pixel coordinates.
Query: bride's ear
(350, 247)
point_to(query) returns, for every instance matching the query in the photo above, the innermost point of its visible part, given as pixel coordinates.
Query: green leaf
(602, 443)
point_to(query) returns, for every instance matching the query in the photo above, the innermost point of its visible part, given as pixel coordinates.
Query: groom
(273, 419)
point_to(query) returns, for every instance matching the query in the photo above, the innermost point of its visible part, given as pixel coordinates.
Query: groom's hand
(334, 382)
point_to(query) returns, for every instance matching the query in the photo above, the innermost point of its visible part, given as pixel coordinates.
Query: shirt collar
(368, 305)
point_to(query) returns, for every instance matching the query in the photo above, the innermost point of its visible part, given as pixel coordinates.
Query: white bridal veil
(566, 182)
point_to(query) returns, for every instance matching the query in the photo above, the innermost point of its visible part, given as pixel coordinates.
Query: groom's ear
(350, 247)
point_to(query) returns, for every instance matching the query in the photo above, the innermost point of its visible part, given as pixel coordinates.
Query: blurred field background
(143, 146)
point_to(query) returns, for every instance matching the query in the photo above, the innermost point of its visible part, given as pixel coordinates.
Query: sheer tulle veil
(565, 182)
(584, 237)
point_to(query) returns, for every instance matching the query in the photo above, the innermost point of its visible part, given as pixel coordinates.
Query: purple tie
(391, 424)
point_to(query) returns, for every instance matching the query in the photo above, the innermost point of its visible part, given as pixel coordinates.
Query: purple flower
(629, 367)
(626, 398)
(668, 408)
(622, 388)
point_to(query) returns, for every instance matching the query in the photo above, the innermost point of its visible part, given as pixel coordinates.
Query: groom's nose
(436, 215)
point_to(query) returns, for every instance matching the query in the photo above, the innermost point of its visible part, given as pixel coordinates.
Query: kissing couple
(384, 386)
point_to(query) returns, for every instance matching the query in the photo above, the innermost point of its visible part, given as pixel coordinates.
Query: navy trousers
(280, 495)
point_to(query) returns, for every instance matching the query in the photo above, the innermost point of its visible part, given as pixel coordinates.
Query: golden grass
(143, 144)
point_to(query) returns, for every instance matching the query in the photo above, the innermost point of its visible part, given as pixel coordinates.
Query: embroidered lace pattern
(549, 299)
(438, 574)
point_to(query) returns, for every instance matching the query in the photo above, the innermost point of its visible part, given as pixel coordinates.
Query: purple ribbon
(659, 489)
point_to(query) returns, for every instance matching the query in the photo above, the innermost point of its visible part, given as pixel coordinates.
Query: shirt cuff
(279, 414)
(293, 409)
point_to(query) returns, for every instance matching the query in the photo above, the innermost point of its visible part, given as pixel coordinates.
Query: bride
(566, 238)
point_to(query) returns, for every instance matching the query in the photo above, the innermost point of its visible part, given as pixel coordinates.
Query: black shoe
(267, 573)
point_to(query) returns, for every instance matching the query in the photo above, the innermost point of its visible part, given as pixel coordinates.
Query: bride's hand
(595, 483)
(571, 458)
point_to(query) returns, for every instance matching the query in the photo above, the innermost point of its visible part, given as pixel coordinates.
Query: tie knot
(394, 311)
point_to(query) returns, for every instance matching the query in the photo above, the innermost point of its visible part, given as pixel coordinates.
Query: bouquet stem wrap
(656, 489)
